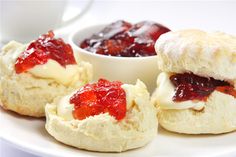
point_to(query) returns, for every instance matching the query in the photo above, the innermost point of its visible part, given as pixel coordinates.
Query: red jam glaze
(44, 48)
(124, 39)
(227, 90)
(192, 87)
(101, 97)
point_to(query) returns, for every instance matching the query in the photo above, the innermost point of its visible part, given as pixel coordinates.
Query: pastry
(196, 91)
(33, 74)
(103, 116)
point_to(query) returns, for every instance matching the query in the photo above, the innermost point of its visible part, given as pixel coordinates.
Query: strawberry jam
(101, 97)
(124, 39)
(192, 87)
(44, 48)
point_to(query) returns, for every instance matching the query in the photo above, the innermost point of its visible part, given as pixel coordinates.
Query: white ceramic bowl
(125, 69)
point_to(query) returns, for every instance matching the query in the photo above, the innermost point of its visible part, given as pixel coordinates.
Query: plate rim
(38, 151)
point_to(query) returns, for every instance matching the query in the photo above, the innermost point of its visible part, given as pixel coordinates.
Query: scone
(196, 91)
(33, 75)
(103, 116)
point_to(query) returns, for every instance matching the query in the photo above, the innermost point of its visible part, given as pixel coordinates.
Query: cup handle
(83, 11)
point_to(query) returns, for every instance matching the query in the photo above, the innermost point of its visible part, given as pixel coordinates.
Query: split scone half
(196, 92)
(103, 116)
(32, 75)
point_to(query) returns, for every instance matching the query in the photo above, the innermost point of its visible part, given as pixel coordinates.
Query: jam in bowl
(121, 38)
(120, 51)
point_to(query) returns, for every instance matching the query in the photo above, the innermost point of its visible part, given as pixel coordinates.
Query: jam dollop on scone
(104, 116)
(41, 50)
(34, 74)
(196, 92)
(100, 97)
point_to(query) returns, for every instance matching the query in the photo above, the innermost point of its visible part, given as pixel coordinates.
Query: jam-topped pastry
(124, 39)
(41, 50)
(196, 90)
(100, 97)
(105, 116)
(33, 74)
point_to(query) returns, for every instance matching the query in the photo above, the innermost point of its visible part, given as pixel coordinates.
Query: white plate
(28, 134)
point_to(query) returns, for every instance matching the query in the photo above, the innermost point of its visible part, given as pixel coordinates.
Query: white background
(206, 15)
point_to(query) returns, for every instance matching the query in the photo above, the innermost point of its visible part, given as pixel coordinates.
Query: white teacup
(24, 20)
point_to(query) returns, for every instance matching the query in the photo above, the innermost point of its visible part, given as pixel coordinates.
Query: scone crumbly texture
(204, 54)
(26, 94)
(217, 117)
(103, 132)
